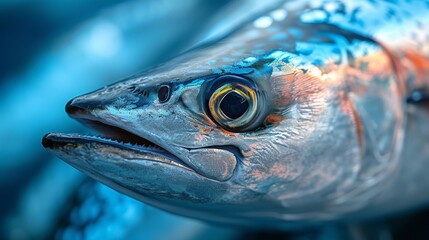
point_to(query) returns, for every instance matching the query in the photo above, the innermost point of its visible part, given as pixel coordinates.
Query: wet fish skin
(327, 140)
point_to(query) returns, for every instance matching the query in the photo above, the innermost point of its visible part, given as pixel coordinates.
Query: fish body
(305, 114)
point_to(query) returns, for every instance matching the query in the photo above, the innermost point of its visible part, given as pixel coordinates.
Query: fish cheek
(192, 104)
(216, 164)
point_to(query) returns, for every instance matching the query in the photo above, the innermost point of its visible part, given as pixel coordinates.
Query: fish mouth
(117, 138)
(217, 163)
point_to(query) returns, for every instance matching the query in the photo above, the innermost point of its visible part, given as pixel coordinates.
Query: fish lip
(57, 140)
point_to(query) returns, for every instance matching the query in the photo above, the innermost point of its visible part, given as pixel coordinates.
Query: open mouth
(115, 137)
(118, 143)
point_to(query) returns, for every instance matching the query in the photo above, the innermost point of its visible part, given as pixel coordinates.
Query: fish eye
(234, 103)
(164, 93)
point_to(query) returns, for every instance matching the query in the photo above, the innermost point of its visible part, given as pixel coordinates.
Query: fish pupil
(164, 93)
(234, 105)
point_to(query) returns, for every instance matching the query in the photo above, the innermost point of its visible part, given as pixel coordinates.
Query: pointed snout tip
(73, 109)
(81, 107)
(47, 141)
(55, 140)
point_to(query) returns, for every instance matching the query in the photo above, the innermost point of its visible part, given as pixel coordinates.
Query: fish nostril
(164, 93)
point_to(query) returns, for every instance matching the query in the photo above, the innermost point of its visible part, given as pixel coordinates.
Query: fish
(310, 112)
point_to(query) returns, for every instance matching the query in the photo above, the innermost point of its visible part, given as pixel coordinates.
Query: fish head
(224, 133)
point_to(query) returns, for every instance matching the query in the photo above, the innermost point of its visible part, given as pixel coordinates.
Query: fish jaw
(147, 174)
(158, 178)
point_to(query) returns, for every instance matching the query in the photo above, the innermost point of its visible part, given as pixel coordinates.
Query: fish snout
(84, 108)
(76, 108)
(102, 99)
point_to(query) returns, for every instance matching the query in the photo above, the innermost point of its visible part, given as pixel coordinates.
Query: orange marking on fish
(204, 130)
(349, 108)
(251, 150)
(273, 118)
(280, 170)
(209, 121)
(226, 132)
(259, 175)
(421, 65)
(199, 137)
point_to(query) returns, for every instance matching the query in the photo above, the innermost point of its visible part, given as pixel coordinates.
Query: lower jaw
(135, 152)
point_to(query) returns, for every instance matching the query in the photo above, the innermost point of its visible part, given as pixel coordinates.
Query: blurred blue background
(52, 51)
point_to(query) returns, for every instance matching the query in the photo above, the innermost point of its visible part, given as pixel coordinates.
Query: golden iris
(233, 105)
